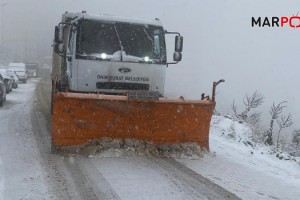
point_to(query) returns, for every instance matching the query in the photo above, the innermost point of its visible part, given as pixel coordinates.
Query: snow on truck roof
(16, 65)
(112, 18)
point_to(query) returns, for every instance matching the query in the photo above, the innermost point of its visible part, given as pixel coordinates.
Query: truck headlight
(103, 56)
(147, 59)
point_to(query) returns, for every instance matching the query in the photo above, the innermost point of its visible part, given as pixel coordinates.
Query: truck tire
(54, 149)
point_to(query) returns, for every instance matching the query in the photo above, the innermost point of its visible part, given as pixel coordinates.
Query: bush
(296, 136)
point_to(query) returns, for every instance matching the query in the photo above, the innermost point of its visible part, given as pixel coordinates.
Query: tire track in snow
(86, 178)
(193, 182)
(97, 178)
(57, 178)
(83, 185)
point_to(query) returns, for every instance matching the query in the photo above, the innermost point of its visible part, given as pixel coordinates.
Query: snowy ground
(29, 171)
(250, 173)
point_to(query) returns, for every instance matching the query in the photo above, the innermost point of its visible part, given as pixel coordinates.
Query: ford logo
(124, 70)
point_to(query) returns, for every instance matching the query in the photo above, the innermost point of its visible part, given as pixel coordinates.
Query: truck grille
(121, 86)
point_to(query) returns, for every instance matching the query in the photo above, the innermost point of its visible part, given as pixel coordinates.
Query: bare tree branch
(276, 110)
(285, 121)
(234, 109)
(253, 101)
(250, 102)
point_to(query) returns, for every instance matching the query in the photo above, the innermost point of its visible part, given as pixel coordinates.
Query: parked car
(20, 69)
(14, 77)
(2, 91)
(7, 80)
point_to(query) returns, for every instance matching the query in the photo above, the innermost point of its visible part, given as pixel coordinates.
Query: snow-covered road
(29, 171)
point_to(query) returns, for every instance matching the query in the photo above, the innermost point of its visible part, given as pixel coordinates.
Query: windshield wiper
(95, 56)
(120, 42)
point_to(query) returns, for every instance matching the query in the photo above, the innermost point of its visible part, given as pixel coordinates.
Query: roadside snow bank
(238, 136)
(247, 169)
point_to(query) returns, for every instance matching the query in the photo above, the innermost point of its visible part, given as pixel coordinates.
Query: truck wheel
(54, 149)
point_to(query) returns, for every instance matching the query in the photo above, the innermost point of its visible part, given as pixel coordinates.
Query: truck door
(70, 61)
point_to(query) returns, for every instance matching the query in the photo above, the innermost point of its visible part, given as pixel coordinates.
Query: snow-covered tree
(275, 111)
(248, 114)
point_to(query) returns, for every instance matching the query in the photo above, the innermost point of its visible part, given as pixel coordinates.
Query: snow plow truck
(108, 78)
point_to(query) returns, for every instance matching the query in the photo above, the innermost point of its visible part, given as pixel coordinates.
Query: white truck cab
(111, 54)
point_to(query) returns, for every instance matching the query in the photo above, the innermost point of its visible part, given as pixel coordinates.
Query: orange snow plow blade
(79, 118)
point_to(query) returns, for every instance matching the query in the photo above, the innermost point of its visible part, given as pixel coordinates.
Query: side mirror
(177, 56)
(59, 48)
(58, 34)
(178, 43)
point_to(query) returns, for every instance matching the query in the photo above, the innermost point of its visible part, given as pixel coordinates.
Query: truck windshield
(120, 42)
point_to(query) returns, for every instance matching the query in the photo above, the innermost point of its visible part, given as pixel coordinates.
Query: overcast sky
(219, 42)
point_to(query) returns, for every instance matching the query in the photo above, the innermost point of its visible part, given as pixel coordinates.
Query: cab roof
(110, 18)
(16, 65)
